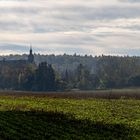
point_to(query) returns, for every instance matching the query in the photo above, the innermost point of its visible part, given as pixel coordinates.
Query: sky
(93, 27)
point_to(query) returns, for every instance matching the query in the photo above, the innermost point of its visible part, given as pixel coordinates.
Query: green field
(43, 118)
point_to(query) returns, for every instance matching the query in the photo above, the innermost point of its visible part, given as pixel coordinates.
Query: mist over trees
(68, 72)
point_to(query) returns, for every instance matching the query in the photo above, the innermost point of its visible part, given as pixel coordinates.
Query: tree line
(109, 72)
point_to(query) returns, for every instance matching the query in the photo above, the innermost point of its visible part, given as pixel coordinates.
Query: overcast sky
(70, 26)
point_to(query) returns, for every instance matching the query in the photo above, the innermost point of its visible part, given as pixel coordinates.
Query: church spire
(31, 49)
(31, 56)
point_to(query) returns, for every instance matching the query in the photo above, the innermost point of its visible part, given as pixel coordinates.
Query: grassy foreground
(40, 118)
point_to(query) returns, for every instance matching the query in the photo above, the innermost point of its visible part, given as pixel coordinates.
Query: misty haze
(70, 70)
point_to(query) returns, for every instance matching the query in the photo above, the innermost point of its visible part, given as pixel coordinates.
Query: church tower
(31, 56)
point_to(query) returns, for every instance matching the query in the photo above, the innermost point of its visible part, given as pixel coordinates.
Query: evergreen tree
(51, 79)
(45, 77)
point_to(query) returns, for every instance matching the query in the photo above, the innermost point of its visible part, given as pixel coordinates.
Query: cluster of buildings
(20, 62)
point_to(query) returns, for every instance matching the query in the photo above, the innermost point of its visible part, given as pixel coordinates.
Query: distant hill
(60, 62)
(82, 72)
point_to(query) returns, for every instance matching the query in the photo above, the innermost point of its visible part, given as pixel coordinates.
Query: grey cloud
(71, 26)
(130, 1)
(19, 48)
(124, 51)
(65, 19)
(101, 13)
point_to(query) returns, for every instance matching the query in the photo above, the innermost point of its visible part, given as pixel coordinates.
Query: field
(98, 94)
(70, 116)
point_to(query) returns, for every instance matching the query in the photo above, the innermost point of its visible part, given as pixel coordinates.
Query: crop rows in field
(49, 118)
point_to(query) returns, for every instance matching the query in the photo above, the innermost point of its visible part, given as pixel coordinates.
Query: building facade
(20, 62)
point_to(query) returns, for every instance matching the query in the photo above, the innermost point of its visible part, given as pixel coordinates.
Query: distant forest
(71, 72)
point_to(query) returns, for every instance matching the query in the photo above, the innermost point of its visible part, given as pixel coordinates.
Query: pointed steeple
(31, 49)
(31, 56)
